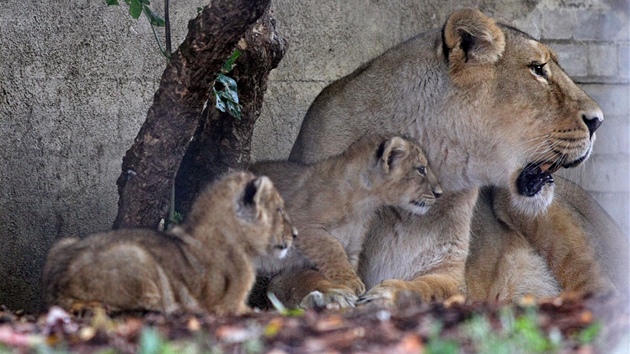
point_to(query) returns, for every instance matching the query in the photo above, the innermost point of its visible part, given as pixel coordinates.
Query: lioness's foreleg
(437, 285)
(561, 238)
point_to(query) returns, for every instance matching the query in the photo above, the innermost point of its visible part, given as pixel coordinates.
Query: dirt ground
(565, 324)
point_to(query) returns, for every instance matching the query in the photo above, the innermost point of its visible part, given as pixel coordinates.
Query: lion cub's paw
(347, 279)
(334, 298)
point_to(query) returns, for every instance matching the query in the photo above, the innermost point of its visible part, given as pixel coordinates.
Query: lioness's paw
(379, 293)
(333, 299)
(387, 292)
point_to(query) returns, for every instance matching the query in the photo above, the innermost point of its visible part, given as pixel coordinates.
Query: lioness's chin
(535, 204)
(280, 253)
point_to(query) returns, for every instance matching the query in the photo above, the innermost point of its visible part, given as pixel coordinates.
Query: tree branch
(222, 142)
(150, 164)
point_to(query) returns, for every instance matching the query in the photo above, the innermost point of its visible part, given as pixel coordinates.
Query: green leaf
(199, 10)
(128, 2)
(111, 2)
(296, 312)
(154, 19)
(590, 333)
(229, 64)
(135, 9)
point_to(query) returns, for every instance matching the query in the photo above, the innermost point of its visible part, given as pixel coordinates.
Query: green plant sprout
(139, 7)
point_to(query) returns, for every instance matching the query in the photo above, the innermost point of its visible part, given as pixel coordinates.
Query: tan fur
(502, 265)
(484, 101)
(562, 239)
(332, 203)
(206, 263)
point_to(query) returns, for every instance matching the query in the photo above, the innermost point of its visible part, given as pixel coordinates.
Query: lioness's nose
(437, 192)
(593, 120)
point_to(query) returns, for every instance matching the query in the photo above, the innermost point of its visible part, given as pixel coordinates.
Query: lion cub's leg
(238, 279)
(309, 288)
(331, 259)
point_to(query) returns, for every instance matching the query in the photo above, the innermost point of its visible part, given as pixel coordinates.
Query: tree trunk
(149, 166)
(222, 142)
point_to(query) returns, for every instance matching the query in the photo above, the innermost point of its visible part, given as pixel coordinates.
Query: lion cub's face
(264, 209)
(408, 181)
(256, 213)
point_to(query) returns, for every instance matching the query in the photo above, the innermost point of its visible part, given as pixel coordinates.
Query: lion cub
(332, 203)
(203, 264)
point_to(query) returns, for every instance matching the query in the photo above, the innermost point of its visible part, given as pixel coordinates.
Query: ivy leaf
(218, 101)
(234, 109)
(229, 84)
(135, 9)
(112, 2)
(154, 19)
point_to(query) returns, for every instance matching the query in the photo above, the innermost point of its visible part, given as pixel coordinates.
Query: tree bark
(149, 166)
(222, 142)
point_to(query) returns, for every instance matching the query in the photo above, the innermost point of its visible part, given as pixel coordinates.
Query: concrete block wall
(76, 80)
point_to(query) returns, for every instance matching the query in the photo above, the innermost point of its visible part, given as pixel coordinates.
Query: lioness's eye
(422, 170)
(538, 69)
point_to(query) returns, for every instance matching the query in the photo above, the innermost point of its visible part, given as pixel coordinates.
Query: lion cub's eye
(422, 170)
(538, 69)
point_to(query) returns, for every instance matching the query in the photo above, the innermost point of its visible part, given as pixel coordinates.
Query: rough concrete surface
(77, 77)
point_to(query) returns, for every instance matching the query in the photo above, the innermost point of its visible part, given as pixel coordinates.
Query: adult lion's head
(540, 117)
(488, 104)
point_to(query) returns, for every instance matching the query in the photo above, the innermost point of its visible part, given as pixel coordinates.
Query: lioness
(332, 202)
(489, 105)
(203, 264)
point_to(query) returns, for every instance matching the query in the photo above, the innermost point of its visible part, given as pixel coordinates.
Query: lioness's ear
(470, 40)
(255, 193)
(393, 150)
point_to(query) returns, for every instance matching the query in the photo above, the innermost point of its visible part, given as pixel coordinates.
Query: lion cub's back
(111, 262)
(287, 177)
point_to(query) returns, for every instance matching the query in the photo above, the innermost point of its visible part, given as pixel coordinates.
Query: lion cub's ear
(252, 201)
(391, 152)
(470, 40)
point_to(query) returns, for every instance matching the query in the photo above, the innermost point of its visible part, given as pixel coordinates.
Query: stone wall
(77, 77)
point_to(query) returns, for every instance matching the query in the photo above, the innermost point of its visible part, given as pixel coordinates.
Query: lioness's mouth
(419, 203)
(534, 176)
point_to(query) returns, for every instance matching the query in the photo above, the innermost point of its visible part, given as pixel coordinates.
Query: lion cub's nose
(593, 120)
(437, 192)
